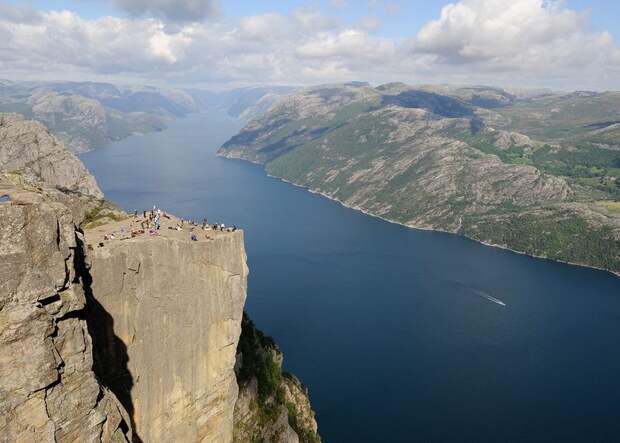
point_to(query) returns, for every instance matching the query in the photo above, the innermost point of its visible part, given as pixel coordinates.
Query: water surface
(400, 335)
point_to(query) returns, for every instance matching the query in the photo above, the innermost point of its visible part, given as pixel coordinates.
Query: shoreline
(418, 228)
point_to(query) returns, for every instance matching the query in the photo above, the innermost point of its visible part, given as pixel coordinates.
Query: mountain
(89, 115)
(539, 173)
(112, 334)
(242, 103)
(28, 149)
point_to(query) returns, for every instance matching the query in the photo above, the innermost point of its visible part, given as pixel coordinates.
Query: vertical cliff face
(48, 390)
(168, 341)
(127, 339)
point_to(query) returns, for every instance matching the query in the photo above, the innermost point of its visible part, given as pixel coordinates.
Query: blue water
(398, 333)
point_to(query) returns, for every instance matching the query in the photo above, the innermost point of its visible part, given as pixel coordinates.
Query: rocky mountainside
(242, 103)
(540, 175)
(109, 333)
(48, 389)
(29, 149)
(89, 115)
(273, 405)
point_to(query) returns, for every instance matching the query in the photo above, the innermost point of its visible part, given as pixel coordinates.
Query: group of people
(205, 227)
(151, 222)
(152, 218)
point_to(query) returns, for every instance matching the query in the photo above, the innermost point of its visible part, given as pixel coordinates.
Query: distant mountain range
(88, 115)
(538, 173)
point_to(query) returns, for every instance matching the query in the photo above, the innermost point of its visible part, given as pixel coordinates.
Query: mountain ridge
(90, 115)
(496, 174)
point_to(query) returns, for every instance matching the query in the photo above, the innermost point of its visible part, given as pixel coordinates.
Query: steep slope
(437, 161)
(125, 339)
(242, 103)
(28, 148)
(89, 115)
(273, 405)
(48, 390)
(167, 319)
(174, 308)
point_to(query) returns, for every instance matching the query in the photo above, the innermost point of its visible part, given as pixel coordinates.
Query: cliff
(114, 334)
(48, 390)
(167, 321)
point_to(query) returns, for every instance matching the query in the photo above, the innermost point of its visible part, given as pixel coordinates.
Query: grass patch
(101, 215)
(610, 205)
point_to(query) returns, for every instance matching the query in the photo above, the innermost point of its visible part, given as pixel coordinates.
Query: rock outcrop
(48, 390)
(129, 337)
(166, 321)
(27, 147)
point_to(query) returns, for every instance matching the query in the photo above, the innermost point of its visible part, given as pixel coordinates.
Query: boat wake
(488, 297)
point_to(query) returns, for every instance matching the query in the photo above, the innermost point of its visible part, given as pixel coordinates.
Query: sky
(219, 44)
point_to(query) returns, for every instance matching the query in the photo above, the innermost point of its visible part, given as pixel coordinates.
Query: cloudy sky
(571, 44)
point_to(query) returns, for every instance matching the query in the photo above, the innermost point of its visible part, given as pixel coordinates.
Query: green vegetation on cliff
(272, 403)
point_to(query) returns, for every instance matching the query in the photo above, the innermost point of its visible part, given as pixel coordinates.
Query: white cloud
(349, 43)
(263, 27)
(516, 43)
(173, 10)
(509, 34)
(19, 14)
(310, 20)
(532, 38)
(368, 23)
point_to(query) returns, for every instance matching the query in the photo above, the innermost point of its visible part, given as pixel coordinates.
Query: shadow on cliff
(110, 356)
